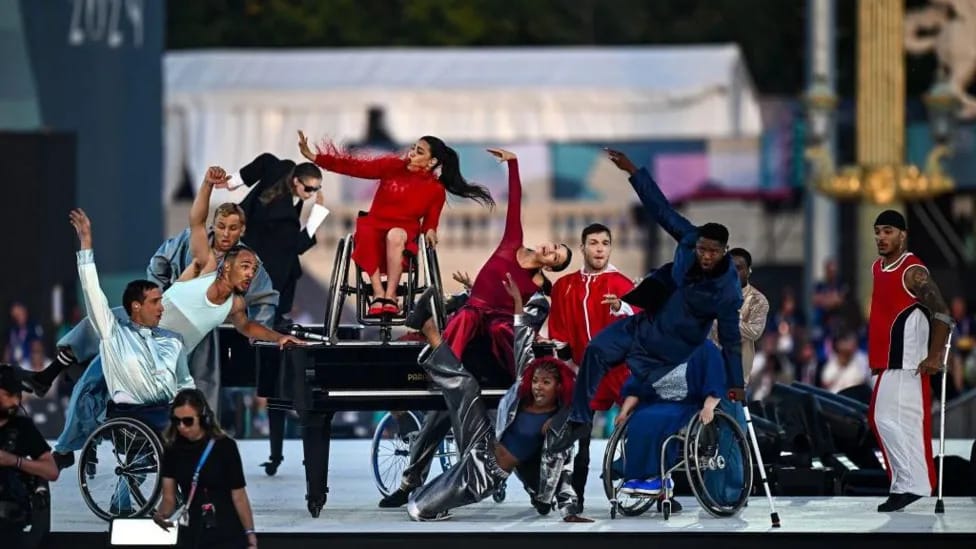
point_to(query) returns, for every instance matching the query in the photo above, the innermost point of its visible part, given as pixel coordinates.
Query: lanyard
(196, 473)
(180, 515)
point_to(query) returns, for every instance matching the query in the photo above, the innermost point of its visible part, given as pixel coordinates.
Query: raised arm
(655, 203)
(513, 216)
(199, 243)
(99, 313)
(919, 282)
(330, 158)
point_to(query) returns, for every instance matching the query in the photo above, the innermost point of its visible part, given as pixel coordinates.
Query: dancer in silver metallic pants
(516, 441)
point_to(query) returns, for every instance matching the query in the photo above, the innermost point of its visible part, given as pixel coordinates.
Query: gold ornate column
(880, 115)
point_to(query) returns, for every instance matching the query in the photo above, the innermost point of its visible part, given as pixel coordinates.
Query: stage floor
(279, 506)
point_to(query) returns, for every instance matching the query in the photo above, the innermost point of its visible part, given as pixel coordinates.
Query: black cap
(892, 219)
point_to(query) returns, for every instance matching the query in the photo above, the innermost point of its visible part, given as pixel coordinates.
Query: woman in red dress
(407, 204)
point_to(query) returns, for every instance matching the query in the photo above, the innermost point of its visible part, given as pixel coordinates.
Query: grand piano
(349, 374)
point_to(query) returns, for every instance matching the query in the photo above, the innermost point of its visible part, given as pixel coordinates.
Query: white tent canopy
(225, 107)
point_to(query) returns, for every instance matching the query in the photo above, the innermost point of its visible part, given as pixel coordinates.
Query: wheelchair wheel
(391, 449)
(614, 460)
(339, 278)
(719, 464)
(119, 469)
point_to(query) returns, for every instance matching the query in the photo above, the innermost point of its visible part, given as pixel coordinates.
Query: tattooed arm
(918, 281)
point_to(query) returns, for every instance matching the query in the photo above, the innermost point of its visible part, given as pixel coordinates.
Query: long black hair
(451, 178)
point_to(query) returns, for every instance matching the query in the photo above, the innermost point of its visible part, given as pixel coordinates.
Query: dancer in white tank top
(207, 293)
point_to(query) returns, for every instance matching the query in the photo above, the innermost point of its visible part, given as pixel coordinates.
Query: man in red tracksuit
(583, 303)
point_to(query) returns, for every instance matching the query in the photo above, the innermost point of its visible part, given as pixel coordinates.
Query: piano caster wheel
(271, 467)
(315, 506)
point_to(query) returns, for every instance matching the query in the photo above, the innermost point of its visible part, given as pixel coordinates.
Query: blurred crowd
(828, 350)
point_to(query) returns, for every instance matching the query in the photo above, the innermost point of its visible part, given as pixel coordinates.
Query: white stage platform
(279, 506)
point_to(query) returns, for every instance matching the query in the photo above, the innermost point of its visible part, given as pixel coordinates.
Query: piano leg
(316, 436)
(276, 437)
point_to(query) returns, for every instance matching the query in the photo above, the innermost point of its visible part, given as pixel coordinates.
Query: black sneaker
(897, 502)
(394, 500)
(63, 461)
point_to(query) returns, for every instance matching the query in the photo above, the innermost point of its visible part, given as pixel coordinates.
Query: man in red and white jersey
(907, 333)
(583, 303)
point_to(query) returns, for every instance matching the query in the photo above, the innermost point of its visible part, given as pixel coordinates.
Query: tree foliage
(771, 33)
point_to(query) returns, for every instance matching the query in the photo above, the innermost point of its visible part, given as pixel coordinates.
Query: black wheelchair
(711, 455)
(120, 469)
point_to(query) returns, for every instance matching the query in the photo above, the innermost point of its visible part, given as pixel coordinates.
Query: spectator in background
(847, 365)
(20, 335)
(962, 350)
(38, 356)
(806, 367)
(787, 323)
(769, 368)
(829, 296)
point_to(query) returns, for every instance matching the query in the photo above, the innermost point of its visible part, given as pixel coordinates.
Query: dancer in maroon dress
(488, 312)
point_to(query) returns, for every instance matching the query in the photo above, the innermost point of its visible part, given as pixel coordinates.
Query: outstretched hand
(502, 155)
(286, 340)
(216, 176)
(304, 148)
(620, 160)
(463, 279)
(82, 225)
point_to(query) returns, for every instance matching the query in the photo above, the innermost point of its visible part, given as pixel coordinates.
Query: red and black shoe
(391, 307)
(376, 307)
(382, 306)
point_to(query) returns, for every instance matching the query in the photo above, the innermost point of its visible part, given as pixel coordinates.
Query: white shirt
(142, 365)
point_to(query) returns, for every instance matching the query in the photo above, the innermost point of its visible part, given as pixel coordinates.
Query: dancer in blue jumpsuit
(703, 287)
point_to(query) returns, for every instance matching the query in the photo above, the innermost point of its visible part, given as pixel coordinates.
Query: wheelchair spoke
(115, 449)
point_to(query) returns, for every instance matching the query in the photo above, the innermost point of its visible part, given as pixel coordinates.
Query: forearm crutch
(939, 505)
(773, 515)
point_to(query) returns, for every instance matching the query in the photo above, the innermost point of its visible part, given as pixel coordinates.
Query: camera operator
(25, 459)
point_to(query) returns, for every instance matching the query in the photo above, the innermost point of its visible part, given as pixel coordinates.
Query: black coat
(274, 229)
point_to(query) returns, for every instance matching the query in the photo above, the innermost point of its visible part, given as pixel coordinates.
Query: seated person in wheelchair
(654, 410)
(516, 442)
(407, 204)
(144, 365)
(219, 513)
(201, 300)
(25, 461)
